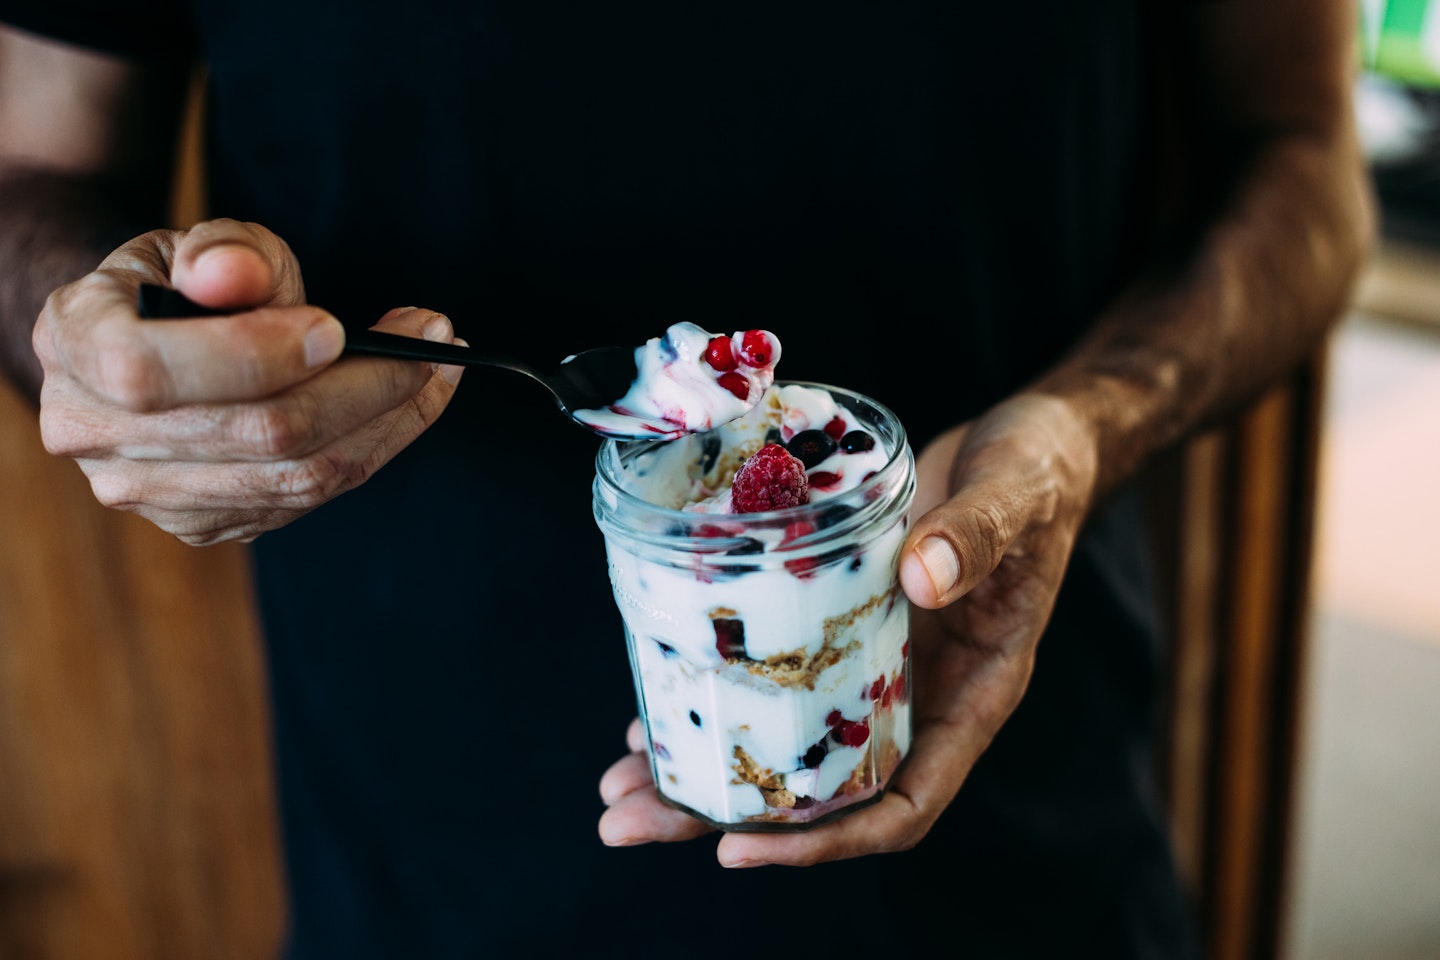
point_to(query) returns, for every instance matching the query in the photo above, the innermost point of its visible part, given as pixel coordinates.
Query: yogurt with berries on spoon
(689, 381)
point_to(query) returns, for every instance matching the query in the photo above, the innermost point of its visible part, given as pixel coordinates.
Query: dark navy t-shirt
(927, 202)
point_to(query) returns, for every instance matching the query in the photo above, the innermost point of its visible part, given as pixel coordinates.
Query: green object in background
(1401, 40)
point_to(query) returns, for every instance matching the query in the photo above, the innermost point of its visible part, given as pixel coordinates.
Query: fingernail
(742, 864)
(437, 329)
(323, 343)
(451, 371)
(211, 255)
(940, 563)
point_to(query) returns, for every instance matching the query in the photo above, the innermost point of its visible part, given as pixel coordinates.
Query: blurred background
(1366, 878)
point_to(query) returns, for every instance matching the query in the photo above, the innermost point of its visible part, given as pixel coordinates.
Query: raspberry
(836, 428)
(853, 733)
(771, 479)
(720, 355)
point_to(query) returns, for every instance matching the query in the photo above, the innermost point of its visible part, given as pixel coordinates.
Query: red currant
(755, 348)
(735, 383)
(720, 355)
(836, 428)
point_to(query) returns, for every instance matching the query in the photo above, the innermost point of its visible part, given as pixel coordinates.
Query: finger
(625, 776)
(231, 265)
(98, 339)
(953, 547)
(640, 817)
(289, 425)
(165, 491)
(940, 759)
(635, 736)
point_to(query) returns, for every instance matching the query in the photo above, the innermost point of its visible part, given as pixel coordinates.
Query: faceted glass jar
(770, 651)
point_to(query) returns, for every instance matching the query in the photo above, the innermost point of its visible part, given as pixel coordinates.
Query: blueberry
(695, 718)
(709, 450)
(747, 546)
(772, 435)
(811, 447)
(857, 441)
(833, 515)
(815, 755)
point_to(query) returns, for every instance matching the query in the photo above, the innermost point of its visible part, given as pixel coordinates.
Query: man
(1053, 240)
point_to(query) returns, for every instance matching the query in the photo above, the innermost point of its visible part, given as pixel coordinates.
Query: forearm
(54, 229)
(1195, 339)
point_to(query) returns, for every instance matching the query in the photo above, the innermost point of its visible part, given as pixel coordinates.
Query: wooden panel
(1236, 561)
(136, 795)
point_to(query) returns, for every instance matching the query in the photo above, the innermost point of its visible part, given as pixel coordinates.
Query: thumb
(958, 544)
(230, 265)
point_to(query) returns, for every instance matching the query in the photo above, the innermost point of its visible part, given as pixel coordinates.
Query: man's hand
(1000, 502)
(225, 427)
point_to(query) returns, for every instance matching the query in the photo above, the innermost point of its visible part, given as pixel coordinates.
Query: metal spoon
(591, 380)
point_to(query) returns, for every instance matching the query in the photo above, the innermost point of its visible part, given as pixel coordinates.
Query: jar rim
(609, 489)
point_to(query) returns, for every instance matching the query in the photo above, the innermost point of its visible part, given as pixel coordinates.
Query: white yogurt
(677, 390)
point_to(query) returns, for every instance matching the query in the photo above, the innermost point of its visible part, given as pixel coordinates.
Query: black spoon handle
(163, 303)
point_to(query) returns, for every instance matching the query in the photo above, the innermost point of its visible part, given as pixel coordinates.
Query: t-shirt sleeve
(137, 29)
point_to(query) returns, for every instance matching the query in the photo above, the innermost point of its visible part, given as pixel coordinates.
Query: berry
(815, 755)
(857, 441)
(824, 479)
(877, 689)
(833, 719)
(720, 355)
(797, 529)
(756, 348)
(853, 733)
(735, 383)
(836, 427)
(811, 446)
(801, 567)
(730, 637)
(771, 479)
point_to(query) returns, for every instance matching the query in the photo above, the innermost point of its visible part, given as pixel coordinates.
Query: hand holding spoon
(626, 393)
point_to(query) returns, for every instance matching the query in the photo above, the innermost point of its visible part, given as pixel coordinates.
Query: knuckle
(114, 490)
(309, 482)
(131, 378)
(988, 527)
(57, 433)
(274, 431)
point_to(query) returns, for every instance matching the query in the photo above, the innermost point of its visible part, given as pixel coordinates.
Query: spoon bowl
(591, 380)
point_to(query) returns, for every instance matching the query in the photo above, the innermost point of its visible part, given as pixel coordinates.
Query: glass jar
(770, 651)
